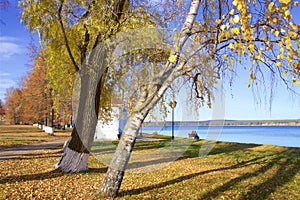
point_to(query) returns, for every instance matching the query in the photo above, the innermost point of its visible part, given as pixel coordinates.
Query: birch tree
(231, 33)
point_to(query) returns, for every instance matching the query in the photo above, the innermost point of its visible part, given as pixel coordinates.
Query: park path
(13, 152)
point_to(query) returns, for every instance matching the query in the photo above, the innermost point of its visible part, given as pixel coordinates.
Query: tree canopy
(210, 41)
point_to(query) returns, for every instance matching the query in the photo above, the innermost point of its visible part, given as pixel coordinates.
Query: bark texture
(149, 96)
(116, 170)
(73, 161)
(76, 153)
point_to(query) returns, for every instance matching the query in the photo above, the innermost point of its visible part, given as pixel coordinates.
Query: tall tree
(36, 97)
(14, 105)
(229, 33)
(69, 31)
(2, 110)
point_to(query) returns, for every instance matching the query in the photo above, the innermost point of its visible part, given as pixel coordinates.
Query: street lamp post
(172, 104)
(51, 106)
(45, 108)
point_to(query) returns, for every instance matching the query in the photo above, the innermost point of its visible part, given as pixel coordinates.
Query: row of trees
(79, 40)
(33, 101)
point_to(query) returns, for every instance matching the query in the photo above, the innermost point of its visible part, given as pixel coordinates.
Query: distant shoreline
(295, 122)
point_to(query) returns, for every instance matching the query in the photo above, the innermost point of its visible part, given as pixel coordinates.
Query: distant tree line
(33, 101)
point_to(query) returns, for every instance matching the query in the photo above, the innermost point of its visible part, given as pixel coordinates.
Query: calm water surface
(275, 135)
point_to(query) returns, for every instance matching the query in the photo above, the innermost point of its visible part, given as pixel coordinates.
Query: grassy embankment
(229, 171)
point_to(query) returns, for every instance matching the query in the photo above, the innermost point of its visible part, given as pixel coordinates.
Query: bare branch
(65, 36)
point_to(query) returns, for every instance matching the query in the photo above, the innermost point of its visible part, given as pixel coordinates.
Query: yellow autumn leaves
(172, 58)
(235, 31)
(242, 37)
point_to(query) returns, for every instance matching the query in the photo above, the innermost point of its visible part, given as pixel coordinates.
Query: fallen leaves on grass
(13, 142)
(231, 171)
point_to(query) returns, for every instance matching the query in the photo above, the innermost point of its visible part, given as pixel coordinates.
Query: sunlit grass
(28, 131)
(13, 142)
(230, 171)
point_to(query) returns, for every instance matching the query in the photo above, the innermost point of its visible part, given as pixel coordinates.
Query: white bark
(73, 162)
(149, 97)
(115, 173)
(76, 151)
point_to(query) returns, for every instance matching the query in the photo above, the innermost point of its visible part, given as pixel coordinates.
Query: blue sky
(239, 102)
(14, 41)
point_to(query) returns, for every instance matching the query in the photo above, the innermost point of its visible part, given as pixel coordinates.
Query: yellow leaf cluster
(236, 19)
(235, 31)
(271, 7)
(231, 46)
(278, 64)
(251, 47)
(285, 1)
(172, 58)
(280, 56)
(293, 26)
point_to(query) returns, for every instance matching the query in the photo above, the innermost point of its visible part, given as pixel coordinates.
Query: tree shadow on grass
(287, 170)
(97, 170)
(221, 147)
(147, 145)
(29, 177)
(43, 176)
(110, 146)
(285, 174)
(183, 178)
(140, 161)
(37, 155)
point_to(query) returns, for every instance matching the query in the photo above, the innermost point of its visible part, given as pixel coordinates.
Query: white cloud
(4, 74)
(8, 39)
(9, 46)
(6, 83)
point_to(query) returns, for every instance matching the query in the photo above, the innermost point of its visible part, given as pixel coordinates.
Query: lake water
(276, 135)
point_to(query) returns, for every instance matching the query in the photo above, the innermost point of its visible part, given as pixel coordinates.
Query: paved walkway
(13, 152)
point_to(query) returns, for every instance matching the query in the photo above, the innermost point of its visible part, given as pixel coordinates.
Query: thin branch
(83, 47)
(65, 37)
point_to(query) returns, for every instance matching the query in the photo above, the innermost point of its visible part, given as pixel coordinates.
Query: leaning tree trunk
(149, 96)
(77, 148)
(116, 170)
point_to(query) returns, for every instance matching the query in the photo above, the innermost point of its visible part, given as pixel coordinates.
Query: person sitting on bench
(196, 136)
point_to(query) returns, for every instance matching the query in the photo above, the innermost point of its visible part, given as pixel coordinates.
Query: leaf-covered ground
(230, 171)
(29, 131)
(14, 142)
(15, 135)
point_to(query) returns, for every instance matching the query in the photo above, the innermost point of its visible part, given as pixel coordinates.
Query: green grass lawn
(229, 171)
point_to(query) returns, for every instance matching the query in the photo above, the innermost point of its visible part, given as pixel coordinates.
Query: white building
(110, 130)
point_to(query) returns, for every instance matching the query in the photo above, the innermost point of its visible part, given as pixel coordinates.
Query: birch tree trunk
(150, 95)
